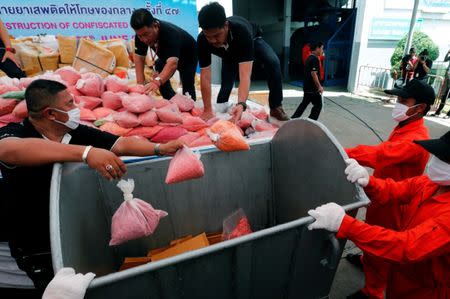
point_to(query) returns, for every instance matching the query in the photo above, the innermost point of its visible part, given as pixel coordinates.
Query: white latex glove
(328, 216)
(356, 173)
(68, 285)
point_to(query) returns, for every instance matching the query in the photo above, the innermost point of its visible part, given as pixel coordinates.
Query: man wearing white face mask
(397, 158)
(419, 252)
(51, 134)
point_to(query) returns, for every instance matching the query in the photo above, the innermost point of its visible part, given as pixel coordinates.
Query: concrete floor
(350, 131)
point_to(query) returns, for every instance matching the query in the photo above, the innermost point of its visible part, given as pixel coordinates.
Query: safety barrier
(374, 78)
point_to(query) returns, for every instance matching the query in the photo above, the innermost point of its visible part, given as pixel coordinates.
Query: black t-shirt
(172, 42)
(240, 43)
(311, 65)
(420, 73)
(27, 189)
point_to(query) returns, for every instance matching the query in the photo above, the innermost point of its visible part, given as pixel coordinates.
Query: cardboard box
(260, 97)
(61, 65)
(214, 238)
(181, 240)
(121, 72)
(131, 262)
(197, 242)
(94, 58)
(173, 243)
(67, 48)
(36, 58)
(119, 49)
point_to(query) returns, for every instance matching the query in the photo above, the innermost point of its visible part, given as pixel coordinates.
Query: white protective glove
(68, 285)
(356, 173)
(328, 216)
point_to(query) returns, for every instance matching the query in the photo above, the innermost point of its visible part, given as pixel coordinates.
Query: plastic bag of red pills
(236, 225)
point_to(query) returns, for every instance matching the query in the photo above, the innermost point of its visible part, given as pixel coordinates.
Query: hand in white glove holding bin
(68, 285)
(356, 173)
(329, 216)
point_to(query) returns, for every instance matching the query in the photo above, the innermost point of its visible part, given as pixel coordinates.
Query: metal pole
(286, 37)
(411, 27)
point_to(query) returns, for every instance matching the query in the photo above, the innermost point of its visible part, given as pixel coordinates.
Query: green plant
(420, 42)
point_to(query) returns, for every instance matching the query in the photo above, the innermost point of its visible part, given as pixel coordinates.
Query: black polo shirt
(420, 73)
(240, 39)
(312, 64)
(172, 42)
(27, 189)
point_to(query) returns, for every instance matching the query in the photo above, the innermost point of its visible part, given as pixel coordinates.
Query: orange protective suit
(398, 158)
(419, 253)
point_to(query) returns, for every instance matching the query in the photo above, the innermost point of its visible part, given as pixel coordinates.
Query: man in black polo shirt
(312, 89)
(238, 43)
(52, 133)
(8, 60)
(423, 66)
(175, 48)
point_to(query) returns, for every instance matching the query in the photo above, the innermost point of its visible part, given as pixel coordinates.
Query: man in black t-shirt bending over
(312, 89)
(238, 42)
(175, 48)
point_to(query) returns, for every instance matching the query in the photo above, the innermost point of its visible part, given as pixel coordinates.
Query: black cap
(420, 91)
(438, 147)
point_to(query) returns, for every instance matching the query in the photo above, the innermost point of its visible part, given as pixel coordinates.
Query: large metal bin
(275, 183)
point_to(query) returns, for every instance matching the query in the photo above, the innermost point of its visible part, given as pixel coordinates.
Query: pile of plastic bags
(115, 106)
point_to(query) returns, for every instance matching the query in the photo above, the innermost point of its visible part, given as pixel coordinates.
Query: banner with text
(83, 18)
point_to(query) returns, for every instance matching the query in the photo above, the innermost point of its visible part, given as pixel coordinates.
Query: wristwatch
(157, 149)
(12, 50)
(243, 104)
(157, 80)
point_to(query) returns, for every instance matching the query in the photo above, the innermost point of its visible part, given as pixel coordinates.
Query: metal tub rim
(361, 199)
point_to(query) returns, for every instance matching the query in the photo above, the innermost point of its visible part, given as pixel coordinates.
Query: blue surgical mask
(74, 118)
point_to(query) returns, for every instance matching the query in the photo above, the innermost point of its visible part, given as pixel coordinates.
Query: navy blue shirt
(240, 39)
(172, 42)
(312, 64)
(26, 196)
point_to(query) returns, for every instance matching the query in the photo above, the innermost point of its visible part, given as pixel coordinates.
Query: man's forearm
(243, 89)
(316, 80)
(137, 146)
(169, 69)
(133, 146)
(139, 64)
(16, 151)
(245, 72)
(4, 35)
(205, 86)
